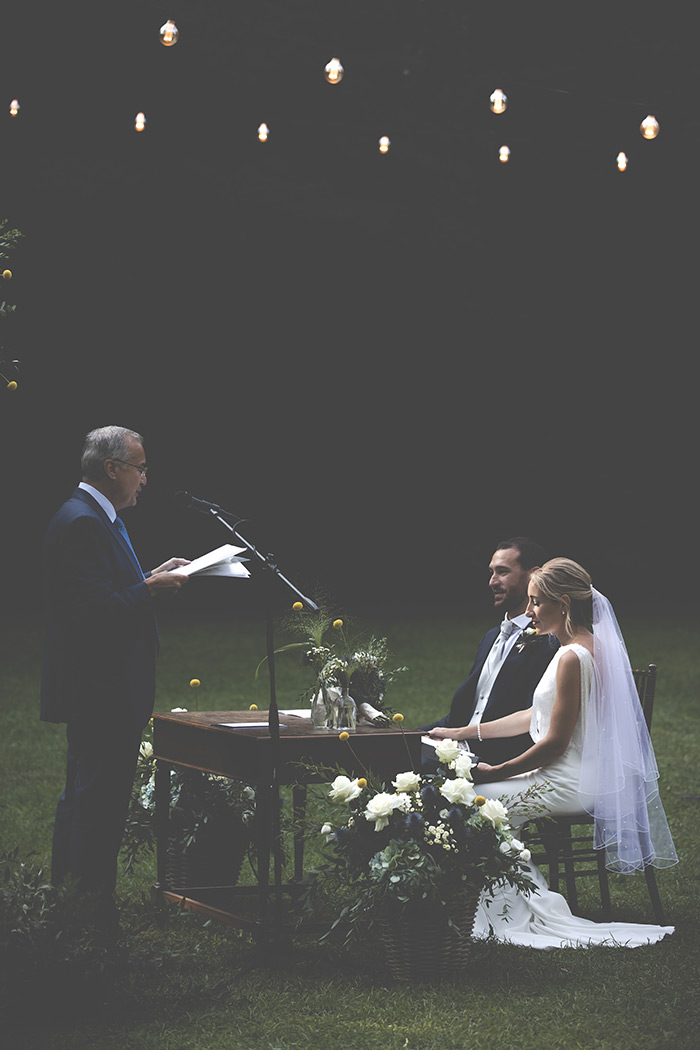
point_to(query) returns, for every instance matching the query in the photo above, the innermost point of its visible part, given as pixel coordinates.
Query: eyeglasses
(143, 471)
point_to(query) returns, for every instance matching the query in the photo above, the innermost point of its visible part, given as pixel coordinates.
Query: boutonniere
(527, 637)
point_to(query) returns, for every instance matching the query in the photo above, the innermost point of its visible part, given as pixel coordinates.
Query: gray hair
(104, 443)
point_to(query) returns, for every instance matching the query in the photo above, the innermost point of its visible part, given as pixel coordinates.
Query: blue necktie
(122, 529)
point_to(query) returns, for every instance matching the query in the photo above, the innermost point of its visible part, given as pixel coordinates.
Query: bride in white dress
(591, 753)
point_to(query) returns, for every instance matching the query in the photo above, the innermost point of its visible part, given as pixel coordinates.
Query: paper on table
(223, 561)
(246, 725)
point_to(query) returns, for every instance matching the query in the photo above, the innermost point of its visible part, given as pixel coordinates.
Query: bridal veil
(619, 775)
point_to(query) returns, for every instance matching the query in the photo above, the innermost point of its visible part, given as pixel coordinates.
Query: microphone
(190, 502)
(185, 499)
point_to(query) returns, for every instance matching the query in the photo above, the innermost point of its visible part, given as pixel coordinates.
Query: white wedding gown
(543, 919)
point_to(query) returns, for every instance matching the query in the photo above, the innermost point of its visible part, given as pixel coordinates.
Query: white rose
(407, 782)
(458, 790)
(343, 789)
(516, 845)
(380, 808)
(146, 749)
(447, 750)
(494, 811)
(327, 831)
(462, 764)
(525, 854)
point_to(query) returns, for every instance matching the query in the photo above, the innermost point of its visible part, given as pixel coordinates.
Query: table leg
(162, 821)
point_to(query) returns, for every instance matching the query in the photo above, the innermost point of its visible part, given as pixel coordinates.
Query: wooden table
(197, 740)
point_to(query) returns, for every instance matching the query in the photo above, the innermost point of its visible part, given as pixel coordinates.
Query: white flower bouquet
(426, 840)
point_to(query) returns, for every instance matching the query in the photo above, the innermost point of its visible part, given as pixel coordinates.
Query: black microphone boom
(186, 499)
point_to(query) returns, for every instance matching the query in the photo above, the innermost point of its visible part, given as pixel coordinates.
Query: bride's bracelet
(478, 731)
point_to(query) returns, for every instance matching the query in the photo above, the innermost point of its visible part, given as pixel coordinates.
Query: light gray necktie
(496, 654)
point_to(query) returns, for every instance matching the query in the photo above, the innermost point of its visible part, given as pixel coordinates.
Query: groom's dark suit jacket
(101, 636)
(511, 691)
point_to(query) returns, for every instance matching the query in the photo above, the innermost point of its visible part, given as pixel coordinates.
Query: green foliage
(8, 240)
(50, 938)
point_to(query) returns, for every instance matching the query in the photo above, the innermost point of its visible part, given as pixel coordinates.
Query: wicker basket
(215, 857)
(420, 945)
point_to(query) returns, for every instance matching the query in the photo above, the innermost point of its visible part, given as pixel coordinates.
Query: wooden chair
(566, 843)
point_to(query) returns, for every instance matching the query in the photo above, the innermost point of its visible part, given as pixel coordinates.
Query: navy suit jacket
(101, 635)
(511, 691)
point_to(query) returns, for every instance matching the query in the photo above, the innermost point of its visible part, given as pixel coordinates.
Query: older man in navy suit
(98, 671)
(508, 663)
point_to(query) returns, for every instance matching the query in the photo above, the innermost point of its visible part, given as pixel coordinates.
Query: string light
(504, 154)
(14, 107)
(169, 34)
(384, 144)
(263, 132)
(139, 122)
(649, 127)
(622, 161)
(334, 71)
(498, 102)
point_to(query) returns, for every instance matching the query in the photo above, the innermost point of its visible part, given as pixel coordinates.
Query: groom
(507, 667)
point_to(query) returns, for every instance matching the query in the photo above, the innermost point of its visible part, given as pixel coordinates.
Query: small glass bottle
(345, 712)
(321, 713)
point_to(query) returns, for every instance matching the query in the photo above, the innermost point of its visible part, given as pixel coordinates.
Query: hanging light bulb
(169, 33)
(263, 132)
(14, 107)
(498, 101)
(139, 122)
(621, 161)
(334, 71)
(504, 154)
(649, 127)
(384, 144)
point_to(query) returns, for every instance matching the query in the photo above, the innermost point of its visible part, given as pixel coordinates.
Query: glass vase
(321, 711)
(344, 712)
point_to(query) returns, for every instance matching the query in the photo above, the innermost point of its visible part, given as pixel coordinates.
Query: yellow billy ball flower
(297, 606)
(12, 385)
(479, 800)
(195, 683)
(253, 707)
(6, 275)
(361, 782)
(344, 736)
(337, 624)
(398, 717)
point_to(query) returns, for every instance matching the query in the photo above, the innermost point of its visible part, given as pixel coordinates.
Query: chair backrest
(645, 681)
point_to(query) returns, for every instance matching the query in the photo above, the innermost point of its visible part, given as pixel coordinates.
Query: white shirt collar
(522, 621)
(100, 498)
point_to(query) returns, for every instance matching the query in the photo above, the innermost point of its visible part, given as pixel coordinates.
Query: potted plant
(411, 861)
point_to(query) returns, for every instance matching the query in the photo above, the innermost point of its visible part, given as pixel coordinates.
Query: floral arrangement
(343, 667)
(198, 801)
(429, 841)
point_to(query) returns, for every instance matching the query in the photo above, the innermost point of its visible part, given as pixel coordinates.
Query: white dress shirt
(102, 500)
(491, 668)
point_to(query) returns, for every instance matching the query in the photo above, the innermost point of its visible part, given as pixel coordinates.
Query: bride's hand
(484, 773)
(443, 733)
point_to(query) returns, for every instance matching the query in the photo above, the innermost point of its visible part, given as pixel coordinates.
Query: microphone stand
(268, 563)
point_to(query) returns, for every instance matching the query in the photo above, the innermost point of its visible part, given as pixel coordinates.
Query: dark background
(385, 363)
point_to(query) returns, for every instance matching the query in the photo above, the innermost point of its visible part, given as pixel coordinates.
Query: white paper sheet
(223, 561)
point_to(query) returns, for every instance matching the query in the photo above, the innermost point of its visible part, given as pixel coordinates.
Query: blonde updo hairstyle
(562, 576)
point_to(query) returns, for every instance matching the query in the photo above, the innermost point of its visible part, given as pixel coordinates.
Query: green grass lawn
(181, 983)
